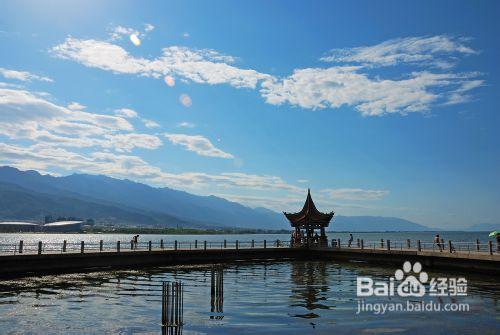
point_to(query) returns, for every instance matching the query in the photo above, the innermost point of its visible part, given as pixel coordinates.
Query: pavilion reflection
(310, 287)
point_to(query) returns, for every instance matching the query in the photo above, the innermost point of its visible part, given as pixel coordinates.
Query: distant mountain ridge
(375, 223)
(484, 227)
(28, 195)
(181, 207)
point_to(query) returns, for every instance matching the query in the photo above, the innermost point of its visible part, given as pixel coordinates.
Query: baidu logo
(411, 286)
(410, 281)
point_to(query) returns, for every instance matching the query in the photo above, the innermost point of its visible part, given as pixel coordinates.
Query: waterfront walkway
(27, 259)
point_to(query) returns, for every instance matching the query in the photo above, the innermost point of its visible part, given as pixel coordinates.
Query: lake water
(289, 297)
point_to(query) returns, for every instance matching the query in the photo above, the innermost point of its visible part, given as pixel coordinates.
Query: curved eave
(299, 220)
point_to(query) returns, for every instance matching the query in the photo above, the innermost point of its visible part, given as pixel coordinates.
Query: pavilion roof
(309, 215)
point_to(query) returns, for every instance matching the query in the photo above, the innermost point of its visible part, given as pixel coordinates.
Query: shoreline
(194, 231)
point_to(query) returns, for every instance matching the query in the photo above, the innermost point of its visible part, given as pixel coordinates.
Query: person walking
(136, 240)
(351, 238)
(437, 241)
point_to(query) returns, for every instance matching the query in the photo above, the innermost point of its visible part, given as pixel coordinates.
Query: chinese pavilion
(306, 221)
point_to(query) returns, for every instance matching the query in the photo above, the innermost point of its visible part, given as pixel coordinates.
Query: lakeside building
(59, 227)
(307, 221)
(63, 226)
(18, 226)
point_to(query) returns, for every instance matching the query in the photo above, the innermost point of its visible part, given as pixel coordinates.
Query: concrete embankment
(26, 265)
(458, 261)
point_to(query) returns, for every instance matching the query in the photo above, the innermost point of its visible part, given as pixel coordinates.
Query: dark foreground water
(289, 297)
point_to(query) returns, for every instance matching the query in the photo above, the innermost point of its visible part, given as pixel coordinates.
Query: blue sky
(381, 108)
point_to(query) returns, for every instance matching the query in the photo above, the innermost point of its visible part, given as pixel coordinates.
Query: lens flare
(135, 40)
(185, 100)
(170, 81)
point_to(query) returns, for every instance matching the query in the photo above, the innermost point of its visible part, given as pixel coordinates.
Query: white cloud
(148, 27)
(356, 194)
(318, 88)
(76, 106)
(310, 88)
(185, 100)
(197, 143)
(22, 75)
(132, 114)
(440, 51)
(150, 123)
(129, 141)
(200, 66)
(126, 112)
(45, 157)
(27, 116)
(185, 125)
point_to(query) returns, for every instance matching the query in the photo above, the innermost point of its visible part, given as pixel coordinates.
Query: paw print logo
(411, 286)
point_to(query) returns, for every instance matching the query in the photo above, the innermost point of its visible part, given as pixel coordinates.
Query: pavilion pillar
(323, 241)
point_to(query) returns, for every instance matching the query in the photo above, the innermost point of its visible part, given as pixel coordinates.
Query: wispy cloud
(47, 157)
(132, 114)
(355, 194)
(119, 32)
(75, 106)
(150, 123)
(126, 112)
(22, 75)
(197, 143)
(185, 125)
(440, 51)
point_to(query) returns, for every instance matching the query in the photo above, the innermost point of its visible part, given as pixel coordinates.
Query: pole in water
(217, 293)
(172, 307)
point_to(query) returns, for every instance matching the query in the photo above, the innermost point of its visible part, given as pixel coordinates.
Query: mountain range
(29, 195)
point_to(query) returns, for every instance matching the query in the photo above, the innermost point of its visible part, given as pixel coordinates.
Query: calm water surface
(288, 297)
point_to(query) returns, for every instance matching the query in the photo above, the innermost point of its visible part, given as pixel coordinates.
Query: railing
(122, 246)
(408, 245)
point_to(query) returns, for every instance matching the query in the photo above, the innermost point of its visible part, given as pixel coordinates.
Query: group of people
(298, 238)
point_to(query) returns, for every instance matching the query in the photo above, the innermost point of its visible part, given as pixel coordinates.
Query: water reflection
(217, 293)
(310, 287)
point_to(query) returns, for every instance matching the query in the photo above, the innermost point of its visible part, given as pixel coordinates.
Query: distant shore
(162, 231)
(200, 231)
